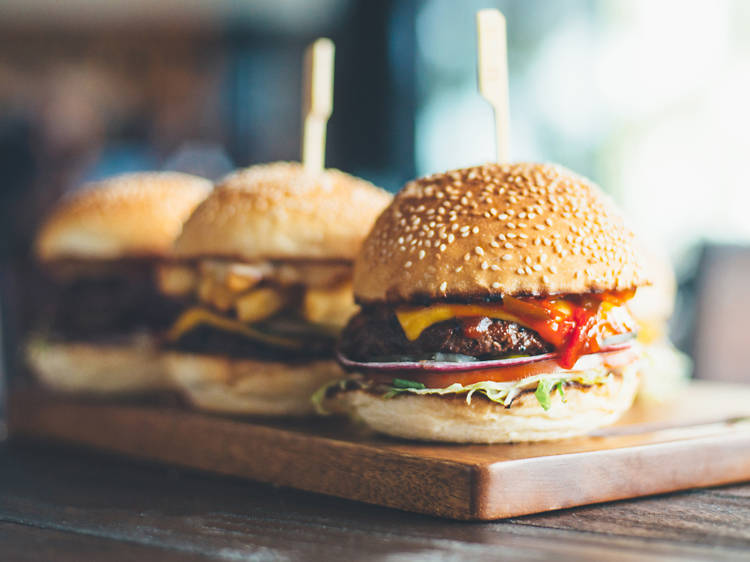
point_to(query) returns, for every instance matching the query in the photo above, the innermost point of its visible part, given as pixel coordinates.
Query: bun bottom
(130, 367)
(451, 419)
(248, 386)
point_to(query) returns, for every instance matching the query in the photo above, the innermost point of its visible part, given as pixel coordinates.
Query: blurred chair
(721, 338)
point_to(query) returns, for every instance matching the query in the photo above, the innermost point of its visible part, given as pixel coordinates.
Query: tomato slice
(507, 374)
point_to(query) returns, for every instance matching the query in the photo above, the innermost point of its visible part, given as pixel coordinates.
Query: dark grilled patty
(89, 307)
(376, 333)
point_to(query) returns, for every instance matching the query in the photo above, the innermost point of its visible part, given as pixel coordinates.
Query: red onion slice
(453, 367)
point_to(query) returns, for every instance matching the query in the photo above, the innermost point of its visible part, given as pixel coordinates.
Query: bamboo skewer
(492, 66)
(317, 102)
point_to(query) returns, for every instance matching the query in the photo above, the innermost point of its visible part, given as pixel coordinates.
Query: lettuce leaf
(403, 384)
(505, 392)
(543, 389)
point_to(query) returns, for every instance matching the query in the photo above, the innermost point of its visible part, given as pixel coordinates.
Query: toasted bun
(451, 419)
(246, 386)
(493, 230)
(132, 215)
(126, 368)
(282, 211)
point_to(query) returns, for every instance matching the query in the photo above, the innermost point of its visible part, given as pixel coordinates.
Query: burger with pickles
(493, 309)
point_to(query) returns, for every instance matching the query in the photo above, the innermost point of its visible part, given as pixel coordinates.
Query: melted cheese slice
(197, 316)
(414, 321)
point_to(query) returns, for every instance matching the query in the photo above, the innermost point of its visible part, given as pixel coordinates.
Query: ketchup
(574, 325)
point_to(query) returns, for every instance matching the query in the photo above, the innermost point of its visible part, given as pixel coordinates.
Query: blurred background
(647, 97)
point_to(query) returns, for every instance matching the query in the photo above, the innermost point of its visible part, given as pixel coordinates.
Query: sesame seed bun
(132, 215)
(494, 230)
(283, 211)
(437, 418)
(130, 367)
(246, 386)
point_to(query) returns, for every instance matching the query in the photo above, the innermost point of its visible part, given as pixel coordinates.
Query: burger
(100, 316)
(264, 275)
(665, 369)
(493, 309)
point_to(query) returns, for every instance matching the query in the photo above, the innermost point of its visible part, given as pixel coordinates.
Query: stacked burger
(102, 318)
(665, 368)
(494, 309)
(263, 272)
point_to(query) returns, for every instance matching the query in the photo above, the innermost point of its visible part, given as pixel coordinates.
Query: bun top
(282, 211)
(131, 215)
(493, 230)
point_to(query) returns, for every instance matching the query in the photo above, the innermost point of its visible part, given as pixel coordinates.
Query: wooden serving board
(700, 439)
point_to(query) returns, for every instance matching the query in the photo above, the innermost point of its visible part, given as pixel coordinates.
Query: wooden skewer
(492, 65)
(317, 102)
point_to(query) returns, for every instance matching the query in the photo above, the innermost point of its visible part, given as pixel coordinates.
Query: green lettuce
(505, 392)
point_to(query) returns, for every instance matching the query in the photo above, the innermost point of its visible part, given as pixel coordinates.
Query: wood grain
(86, 501)
(648, 454)
(20, 542)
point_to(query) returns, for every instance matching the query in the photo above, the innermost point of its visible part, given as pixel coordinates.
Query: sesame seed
(485, 265)
(479, 251)
(443, 247)
(407, 265)
(451, 238)
(537, 267)
(508, 246)
(443, 286)
(496, 285)
(521, 271)
(522, 235)
(421, 254)
(494, 244)
(507, 257)
(495, 267)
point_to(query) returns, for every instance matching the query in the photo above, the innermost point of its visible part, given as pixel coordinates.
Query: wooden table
(65, 504)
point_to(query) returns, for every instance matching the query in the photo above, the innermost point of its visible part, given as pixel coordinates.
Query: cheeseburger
(264, 275)
(101, 315)
(493, 309)
(665, 369)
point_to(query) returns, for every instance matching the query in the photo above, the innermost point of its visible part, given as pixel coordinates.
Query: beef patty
(377, 333)
(120, 301)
